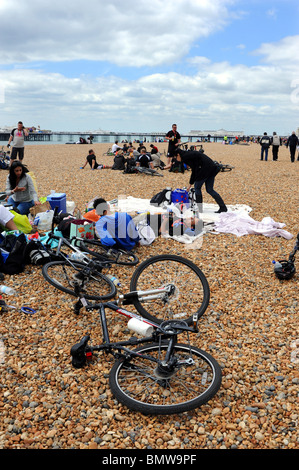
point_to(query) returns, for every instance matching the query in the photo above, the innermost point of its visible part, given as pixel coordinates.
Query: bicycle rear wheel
(190, 289)
(117, 256)
(65, 276)
(137, 383)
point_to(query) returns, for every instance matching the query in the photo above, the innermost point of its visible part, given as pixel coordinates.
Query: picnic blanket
(236, 221)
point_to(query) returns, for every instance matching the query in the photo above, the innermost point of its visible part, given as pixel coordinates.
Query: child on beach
(116, 230)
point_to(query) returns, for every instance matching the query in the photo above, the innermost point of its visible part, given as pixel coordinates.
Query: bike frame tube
(122, 311)
(107, 345)
(74, 248)
(104, 324)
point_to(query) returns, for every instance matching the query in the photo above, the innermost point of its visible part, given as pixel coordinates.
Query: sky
(140, 66)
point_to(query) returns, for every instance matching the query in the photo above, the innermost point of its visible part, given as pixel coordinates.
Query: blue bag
(179, 196)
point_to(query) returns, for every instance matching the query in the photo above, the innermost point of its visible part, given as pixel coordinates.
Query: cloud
(215, 95)
(282, 53)
(123, 32)
(205, 94)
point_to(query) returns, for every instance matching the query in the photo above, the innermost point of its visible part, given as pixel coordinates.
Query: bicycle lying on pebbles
(154, 374)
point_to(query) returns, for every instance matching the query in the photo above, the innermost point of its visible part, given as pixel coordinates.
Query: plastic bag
(43, 220)
(146, 233)
(22, 222)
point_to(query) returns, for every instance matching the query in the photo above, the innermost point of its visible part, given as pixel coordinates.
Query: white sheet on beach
(243, 224)
(133, 204)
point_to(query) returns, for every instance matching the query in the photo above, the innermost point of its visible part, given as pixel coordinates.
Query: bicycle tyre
(226, 168)
(135, 382)
(190, 284)
(60, 274)
(117, 256)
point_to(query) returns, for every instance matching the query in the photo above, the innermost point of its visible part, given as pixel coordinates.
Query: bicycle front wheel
(66, 276)
(190, 292)
(138, 384)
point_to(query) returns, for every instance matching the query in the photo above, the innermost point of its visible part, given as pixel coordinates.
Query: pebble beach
(250, 326)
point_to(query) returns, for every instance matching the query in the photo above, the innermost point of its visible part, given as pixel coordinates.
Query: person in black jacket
(265, 143)
(292, 143)
(203, 171)
(119, 161)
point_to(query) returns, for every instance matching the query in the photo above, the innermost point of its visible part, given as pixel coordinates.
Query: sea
(101, 139)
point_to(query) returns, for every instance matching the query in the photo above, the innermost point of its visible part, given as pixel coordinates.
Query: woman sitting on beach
(20, 188)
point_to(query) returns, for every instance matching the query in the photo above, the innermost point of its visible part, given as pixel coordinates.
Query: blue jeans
(209, 182)
(23, 207)
(264, 150)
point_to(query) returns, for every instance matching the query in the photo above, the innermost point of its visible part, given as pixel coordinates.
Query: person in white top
(115, 146)
(6, 218)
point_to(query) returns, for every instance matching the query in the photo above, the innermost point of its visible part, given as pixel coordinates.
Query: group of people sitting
(126, 158)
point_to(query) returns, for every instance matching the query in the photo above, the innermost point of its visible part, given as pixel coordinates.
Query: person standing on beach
(174, 139)
(276, 142)
(265, 144)
(203, 171)
(18, 137)
(292, 144)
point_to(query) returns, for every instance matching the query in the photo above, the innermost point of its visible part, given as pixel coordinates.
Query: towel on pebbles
(239, 225)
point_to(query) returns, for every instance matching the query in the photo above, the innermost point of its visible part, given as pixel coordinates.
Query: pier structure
(110, 137)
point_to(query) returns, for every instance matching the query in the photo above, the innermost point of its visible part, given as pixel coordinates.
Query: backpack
(130, 166)
(159, 198)
(12, 259)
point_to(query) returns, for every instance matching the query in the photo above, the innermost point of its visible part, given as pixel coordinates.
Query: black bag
(159, 198)
(3, 165)
(15, 246)
(35, 253)
(130, 166)
(64, 226)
